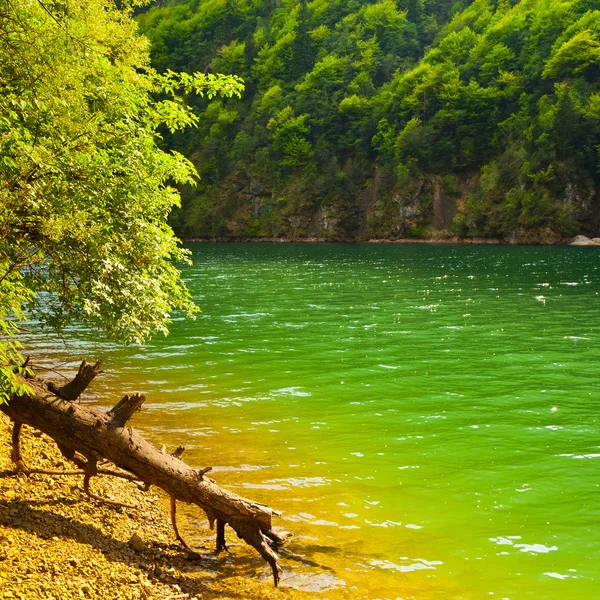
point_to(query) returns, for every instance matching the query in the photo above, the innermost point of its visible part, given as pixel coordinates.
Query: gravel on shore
(57, 544)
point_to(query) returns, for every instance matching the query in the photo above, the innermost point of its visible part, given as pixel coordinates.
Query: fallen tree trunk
(86, 435)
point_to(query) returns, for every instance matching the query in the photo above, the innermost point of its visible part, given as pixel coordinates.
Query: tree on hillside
(302, 51)
(85, 190)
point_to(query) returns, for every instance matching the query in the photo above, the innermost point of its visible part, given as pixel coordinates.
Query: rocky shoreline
(56, 544)
(578, 240)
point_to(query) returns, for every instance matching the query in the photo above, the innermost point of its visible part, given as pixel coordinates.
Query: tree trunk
(84, 432)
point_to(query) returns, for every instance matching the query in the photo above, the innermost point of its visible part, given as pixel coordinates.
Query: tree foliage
(501, 93)
(85, 190)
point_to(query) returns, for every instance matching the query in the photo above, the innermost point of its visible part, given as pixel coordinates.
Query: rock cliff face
(431, 207)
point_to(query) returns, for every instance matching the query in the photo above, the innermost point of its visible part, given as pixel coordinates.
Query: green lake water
(425, 417)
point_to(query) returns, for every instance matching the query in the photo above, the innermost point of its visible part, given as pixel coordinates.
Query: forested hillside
(396, 118)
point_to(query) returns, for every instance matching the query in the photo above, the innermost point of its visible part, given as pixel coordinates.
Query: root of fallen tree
(88, 436)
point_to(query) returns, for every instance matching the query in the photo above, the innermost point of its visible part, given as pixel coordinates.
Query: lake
(425, 417)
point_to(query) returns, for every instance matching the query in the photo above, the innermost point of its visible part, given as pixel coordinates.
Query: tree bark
(97, 435)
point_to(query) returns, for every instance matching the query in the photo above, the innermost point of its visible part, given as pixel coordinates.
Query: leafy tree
(581, 51)
(84, 188)
(302, 58)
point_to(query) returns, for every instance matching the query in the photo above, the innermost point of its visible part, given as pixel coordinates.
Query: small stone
(81, 536)
(137, 543)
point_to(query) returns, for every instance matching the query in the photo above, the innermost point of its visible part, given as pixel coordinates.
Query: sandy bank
(57, 544)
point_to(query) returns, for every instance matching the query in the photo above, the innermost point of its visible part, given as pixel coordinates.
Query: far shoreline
(580, 241)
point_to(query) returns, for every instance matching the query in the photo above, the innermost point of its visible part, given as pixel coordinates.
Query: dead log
(86, 435)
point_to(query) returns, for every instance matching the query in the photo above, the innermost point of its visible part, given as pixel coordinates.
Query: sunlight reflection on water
(395, 402)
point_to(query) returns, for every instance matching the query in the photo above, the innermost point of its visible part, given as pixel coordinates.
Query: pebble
(137, 543)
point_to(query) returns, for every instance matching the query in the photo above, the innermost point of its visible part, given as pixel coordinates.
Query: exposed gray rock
(582, 240)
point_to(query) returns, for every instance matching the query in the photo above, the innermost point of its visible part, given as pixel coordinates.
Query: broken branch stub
(72, 390)
(178, 452)
(124, 409)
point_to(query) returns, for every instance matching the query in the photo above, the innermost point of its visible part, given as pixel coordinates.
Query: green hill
(387, 119)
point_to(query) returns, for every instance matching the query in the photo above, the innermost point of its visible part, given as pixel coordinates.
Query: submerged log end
(255, 537)
(277, 539)
(122, 411)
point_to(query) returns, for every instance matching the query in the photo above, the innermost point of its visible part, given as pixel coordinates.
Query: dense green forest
(393, 118)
